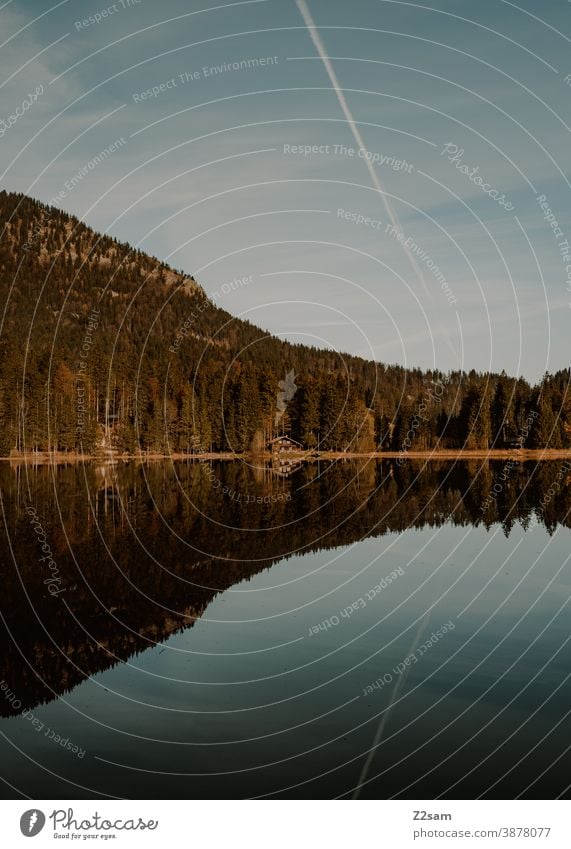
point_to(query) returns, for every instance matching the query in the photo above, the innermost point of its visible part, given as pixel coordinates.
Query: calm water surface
(220, 631)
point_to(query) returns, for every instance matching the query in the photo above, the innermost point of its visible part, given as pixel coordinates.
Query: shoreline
(520, 455)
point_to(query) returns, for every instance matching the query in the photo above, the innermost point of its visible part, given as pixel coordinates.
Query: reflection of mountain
(142, 551)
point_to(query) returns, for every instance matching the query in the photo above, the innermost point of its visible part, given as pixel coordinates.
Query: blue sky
(208, 176)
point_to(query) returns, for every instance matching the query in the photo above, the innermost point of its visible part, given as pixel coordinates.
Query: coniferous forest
(105, 346)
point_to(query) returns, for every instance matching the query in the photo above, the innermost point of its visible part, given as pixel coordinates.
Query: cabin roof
(286, 438)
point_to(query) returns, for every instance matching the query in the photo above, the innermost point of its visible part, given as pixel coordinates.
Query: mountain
(104, 346)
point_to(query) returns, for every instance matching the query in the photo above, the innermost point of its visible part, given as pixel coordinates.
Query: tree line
(104, 346)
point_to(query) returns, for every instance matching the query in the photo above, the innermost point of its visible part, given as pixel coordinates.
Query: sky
(389, 179)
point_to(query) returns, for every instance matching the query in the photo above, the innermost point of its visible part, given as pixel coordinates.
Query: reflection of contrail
(319, 46)
(396, 692)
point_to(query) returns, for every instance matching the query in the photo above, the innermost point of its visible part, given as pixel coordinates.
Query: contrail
(320, 47)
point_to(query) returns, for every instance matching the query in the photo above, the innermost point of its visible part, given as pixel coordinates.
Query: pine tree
(545, 429)
(307, 431)
(504, 429)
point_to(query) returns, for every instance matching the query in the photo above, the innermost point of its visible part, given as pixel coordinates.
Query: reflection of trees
(131, 582)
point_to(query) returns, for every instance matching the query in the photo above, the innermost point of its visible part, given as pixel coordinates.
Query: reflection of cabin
(285, 468)
(285, 445)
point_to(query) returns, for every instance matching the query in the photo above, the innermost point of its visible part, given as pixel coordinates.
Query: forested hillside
(104, 346)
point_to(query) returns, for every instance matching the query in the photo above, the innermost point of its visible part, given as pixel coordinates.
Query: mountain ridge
(106, 346)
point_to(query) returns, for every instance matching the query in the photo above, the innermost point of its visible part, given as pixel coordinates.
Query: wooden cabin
(285, 445)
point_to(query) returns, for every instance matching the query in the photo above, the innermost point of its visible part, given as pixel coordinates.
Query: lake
(216, 630)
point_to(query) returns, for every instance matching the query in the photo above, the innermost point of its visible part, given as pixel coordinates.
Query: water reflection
(121, 559)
